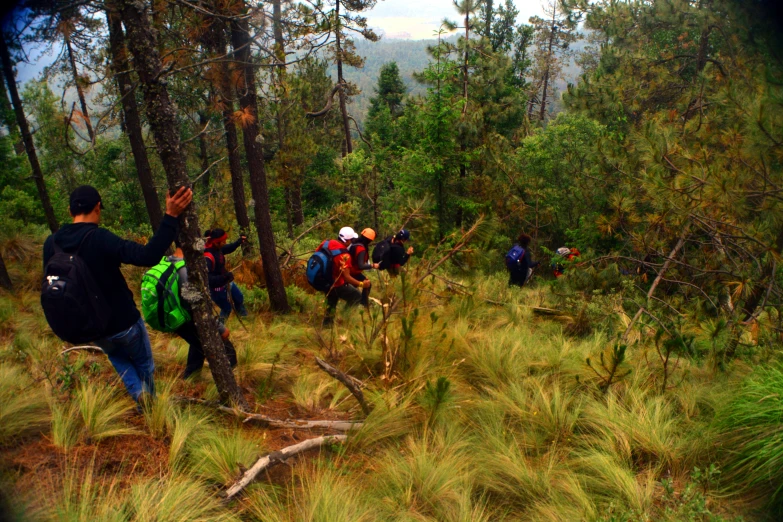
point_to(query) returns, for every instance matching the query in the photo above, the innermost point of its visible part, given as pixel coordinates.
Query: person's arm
(346, 273)
(361, 261)
(132, 253)
(231, 247)
(529, 260)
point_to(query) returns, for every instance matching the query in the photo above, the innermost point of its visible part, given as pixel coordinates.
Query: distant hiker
(563, 254)
(519, 262)
(329, 271)
(84, 295)
(165, 310)
(220, 279)
(391, 254)
(360, 260)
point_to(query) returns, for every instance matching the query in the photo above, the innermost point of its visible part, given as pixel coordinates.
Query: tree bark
(5, 279)
(162, 119)
(240, 40)
(203, 152)
(553, 29)
(348, 146)
(132, 120)
(232, 140)
(21, 121)
(79, 89)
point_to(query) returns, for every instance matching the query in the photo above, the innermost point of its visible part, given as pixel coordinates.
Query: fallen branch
(353, 384)
(271, 422)
(658, 279)
(276, 457)
(86, 347)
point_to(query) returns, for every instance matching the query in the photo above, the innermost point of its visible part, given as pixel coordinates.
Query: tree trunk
(232, 140)
(465, 63)
(489, 12)
(132, 120)
(79, 90)
(203, 152)
(163, 123)
(296, 202)
(21, 121)
(282, 113)
(5, 279)
(348, 146)
(552, 32)
(240, 40)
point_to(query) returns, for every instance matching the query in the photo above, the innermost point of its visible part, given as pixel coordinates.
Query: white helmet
(347, 233)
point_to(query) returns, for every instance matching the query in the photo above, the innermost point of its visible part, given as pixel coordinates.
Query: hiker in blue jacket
(519, 270)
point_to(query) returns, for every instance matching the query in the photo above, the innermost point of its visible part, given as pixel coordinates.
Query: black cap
(84, 199)
(403, 235)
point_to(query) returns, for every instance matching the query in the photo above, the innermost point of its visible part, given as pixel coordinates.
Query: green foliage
(218, 455)
(175, 499)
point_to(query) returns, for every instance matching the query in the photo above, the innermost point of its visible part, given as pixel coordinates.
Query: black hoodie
(104, 252)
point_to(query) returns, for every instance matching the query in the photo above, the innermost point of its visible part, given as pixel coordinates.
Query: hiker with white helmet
(329, 271)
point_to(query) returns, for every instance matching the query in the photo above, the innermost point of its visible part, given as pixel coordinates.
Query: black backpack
(72, 301)
(381, 251)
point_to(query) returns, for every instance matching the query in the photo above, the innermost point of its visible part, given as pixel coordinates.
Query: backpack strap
(209, 256)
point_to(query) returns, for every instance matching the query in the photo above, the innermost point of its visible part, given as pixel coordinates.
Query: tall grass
(103, 410)
(325, 496)
(749, 431)
(23, 406)
(217, 455)
(185, 430)
(175, 499)
(67, 424)
(83, 497)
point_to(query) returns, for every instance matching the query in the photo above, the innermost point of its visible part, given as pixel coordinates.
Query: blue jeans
(130, 353)
(221, 299)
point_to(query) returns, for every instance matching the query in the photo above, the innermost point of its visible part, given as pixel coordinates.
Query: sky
(393, 19)
(419, 19)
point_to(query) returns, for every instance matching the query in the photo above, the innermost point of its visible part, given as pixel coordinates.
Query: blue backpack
(514, 256)
(320, 271)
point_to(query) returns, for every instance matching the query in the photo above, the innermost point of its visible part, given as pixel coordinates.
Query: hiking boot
(242, 311)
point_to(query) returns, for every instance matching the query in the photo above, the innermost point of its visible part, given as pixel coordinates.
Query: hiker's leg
(239, 300)
(331, 305)
(350, 294)
(220, 297)
(131, 355)
(195, 353)
(365, 299)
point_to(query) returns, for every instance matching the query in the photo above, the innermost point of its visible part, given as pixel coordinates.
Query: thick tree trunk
(132, 120)
(79, 90)
(162, 119)
(232, 140)
(5, 279)
(21, 121)
(347, 145)
(203, 152)
(240, 40)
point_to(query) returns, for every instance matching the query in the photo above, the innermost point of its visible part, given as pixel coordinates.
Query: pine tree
(21, 121)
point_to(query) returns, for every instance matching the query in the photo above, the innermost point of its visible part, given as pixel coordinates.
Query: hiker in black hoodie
(126, 342)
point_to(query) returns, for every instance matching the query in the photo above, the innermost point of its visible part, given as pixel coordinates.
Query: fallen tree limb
(297, 424)
(86, 347)
(353, 384)
(276, 457)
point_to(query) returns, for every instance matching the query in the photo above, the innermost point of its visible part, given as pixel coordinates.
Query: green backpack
(161, 305)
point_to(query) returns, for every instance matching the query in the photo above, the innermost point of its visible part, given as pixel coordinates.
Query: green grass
(218, 454)
(175, 499)
(23, 406)
(103, 409)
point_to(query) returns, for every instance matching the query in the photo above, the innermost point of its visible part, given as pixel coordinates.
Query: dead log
(353, 384)
(276, 457)
(297, 424)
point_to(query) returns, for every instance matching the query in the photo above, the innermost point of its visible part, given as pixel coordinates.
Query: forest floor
(481, 410)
